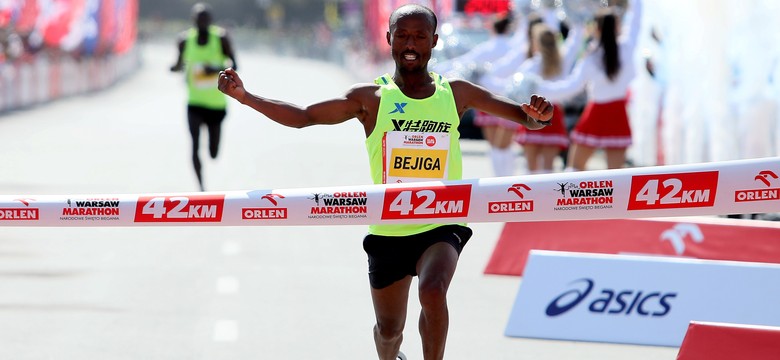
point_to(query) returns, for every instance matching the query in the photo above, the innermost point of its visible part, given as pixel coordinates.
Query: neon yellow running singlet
(202, 87)
(414, 140)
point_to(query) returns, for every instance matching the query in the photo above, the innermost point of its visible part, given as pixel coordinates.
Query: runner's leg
(195, 120)
(390, 305)
(215, 130)
(435, 268)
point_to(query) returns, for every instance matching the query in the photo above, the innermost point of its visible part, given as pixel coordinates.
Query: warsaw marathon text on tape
(731, 187)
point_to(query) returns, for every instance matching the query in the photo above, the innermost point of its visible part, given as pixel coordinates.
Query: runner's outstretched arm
(327, 112)
(535, 114)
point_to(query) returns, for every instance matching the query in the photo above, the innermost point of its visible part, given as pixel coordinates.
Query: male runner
(203, 51)
(391, 108)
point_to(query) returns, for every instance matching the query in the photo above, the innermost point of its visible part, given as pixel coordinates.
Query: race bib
(202, 80)
(415, 156)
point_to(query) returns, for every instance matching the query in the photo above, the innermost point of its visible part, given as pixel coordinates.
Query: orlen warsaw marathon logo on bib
(91, 210)
(340, 205)
(585, 195)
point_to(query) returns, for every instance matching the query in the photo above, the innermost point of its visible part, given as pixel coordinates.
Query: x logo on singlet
(399, 108)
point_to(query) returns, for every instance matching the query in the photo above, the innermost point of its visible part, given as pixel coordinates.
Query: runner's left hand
(539, 108)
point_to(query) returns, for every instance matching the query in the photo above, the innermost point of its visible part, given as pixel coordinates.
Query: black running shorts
(391, 258)
(199, 115)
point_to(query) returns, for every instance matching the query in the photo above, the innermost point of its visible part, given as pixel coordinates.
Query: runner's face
(411, 42)
(203, 20)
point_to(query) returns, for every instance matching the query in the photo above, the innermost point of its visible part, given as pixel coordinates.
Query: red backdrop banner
(704, 238)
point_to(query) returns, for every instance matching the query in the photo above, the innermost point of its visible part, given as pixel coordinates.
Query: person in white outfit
(497, 131)
(551, 61)
(484, 54)
(605, 72)
(499, 76)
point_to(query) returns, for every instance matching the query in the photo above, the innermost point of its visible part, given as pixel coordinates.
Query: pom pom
(522, 87)
(581, 11)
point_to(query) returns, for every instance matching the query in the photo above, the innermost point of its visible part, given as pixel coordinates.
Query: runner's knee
(433, 291)
(389, 330)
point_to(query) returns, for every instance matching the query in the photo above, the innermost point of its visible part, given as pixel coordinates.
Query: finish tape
(717, 188)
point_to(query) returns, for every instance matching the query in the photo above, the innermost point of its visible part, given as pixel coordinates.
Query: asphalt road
(208, 292)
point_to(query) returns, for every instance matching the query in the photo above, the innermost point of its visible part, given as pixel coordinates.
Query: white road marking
(226, 331)
(227, 285)
(231, 248)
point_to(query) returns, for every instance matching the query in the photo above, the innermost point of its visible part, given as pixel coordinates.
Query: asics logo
(569, 298)
(609, 301)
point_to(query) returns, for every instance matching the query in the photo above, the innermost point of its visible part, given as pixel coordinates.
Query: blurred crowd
(77, 28)
(47, 48)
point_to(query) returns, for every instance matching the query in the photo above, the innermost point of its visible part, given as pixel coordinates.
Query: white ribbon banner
(718, 188)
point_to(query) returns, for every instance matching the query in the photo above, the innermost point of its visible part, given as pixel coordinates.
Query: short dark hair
(501, 24)
(413, 9)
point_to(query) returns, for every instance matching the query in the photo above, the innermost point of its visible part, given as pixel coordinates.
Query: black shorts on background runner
(199, 115)
(391, 258)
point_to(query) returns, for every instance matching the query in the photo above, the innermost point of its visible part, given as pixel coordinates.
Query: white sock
(508, 159)
(495, 159)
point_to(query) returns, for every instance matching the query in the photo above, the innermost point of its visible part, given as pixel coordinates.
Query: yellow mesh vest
(409, 117)
(202, 88)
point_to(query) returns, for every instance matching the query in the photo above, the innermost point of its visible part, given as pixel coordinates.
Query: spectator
(605, 72)
(497, 131)
(548, 62)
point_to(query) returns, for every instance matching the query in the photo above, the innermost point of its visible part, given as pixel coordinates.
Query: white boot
(509, 162)
(496, 160)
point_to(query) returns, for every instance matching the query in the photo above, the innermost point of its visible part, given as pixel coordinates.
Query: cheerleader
(605, 72)
(499, 76)
(485, 53)
(542, 146)
(497, 131)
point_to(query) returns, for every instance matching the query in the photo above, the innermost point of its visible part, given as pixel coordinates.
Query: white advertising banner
(729, 187)
(646, 300)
